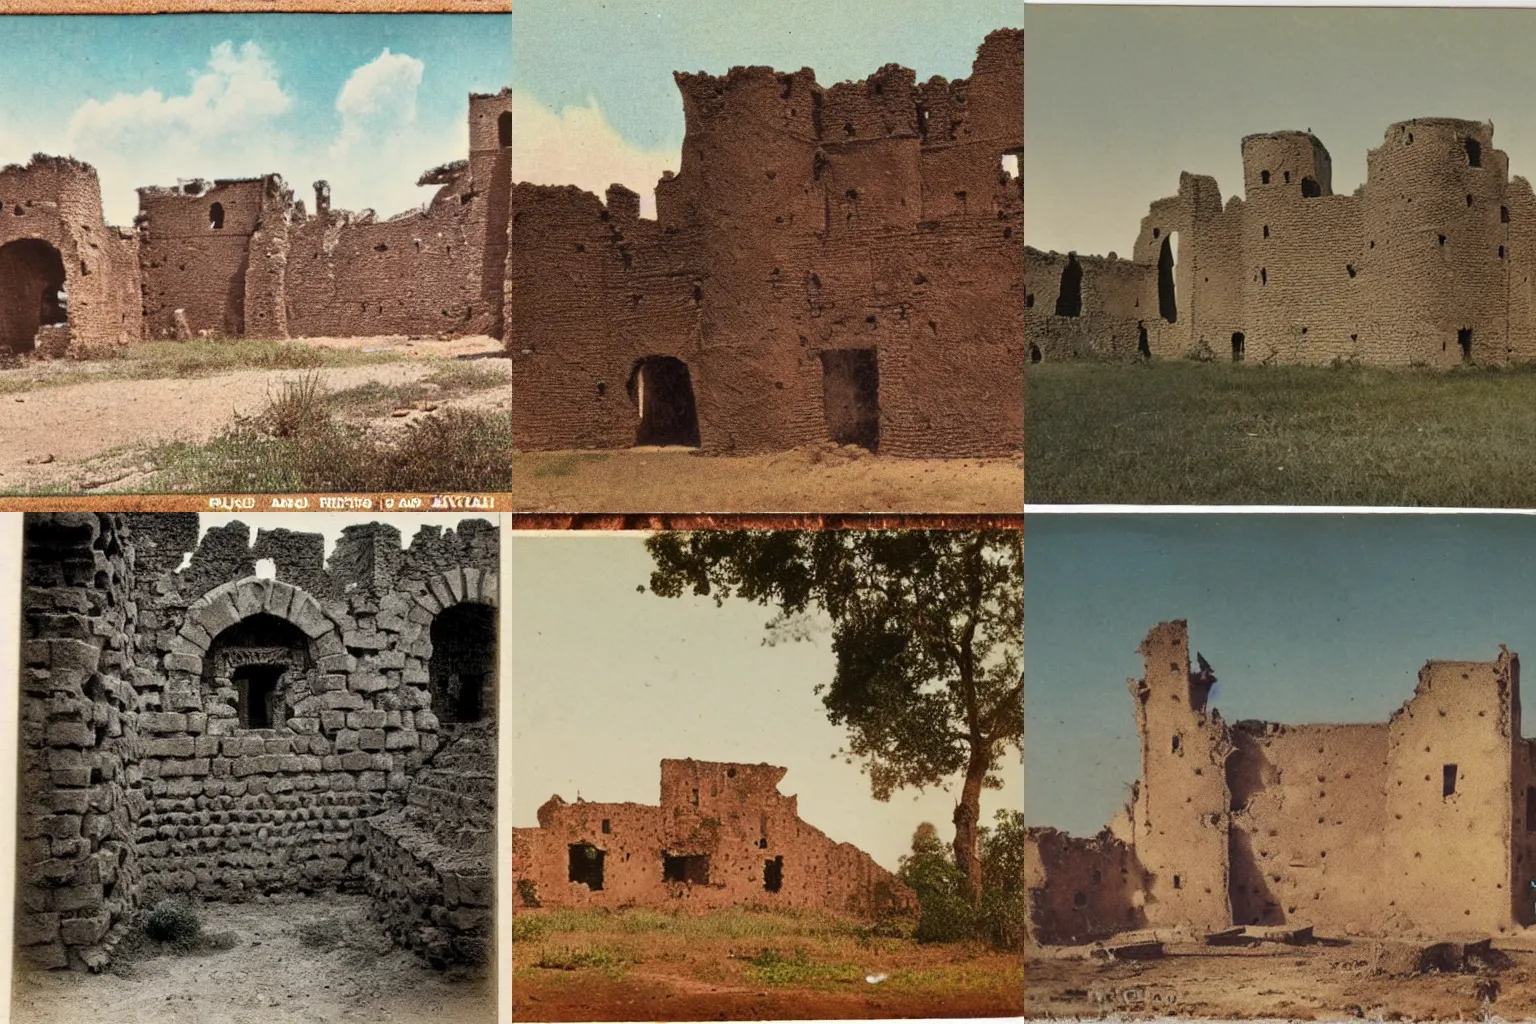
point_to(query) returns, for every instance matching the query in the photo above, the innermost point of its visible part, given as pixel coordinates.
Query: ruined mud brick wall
(1104, 318)
(721, 836)
(261, 266)
(52, 234)
(806, 228)
(1078, 890)
(235, 733)
(79, 790)
(429, 863)
(1428, 263)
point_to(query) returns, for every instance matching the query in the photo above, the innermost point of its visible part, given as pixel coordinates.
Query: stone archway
(231, 603)
(456, 593)
(32, 291)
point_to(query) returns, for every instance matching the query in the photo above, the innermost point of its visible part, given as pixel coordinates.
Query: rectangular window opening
(586, 865)
(693, 870)
(850, 395)
(773, 874)
(257, 696)
(1448, 780)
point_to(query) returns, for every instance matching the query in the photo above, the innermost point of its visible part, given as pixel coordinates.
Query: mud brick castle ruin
(1421, 825)
(242, 258)
(195, 728)
(840, 263)
(1430, 262)
(722, 835)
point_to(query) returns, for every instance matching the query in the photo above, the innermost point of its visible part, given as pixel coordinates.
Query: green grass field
(1213, 433)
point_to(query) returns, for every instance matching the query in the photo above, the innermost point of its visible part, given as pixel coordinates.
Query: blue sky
(1305, 618)
(593, 78)
(1121, 99)
(365, 101)
(608, 681)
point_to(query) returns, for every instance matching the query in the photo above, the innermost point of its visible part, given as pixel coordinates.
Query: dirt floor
(293, 960)
(825, 478)
(739, 965)
(95, 435)
(1332, 979)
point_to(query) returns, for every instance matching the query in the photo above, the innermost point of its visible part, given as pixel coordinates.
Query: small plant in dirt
(174, 922)
(528, 929)
(579, 959)
(321, 933)
(298, 407)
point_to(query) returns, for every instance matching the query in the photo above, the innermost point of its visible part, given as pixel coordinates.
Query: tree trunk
(967, 814)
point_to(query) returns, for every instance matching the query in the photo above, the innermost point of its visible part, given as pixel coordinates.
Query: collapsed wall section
(1079, 890)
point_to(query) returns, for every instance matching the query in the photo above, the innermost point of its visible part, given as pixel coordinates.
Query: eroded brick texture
(243, 258)
(722, 835)
(839, 263)
(206, 731)
(1428, 263)
(1421, 825)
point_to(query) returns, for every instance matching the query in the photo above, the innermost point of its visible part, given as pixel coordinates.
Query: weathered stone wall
(1428, 263)
(804, 224)
(1078, 890)
(53, 235)
(245, 730)
(732, 839)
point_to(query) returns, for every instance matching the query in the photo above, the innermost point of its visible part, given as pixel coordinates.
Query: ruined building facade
(723, 835)
(840, 263)
(1424, 824)
(1430, 262)
(197, 728)
(243, 258)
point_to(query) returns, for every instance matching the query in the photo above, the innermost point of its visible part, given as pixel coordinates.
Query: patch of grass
(321, 933)
(772, 967)
(575, 959)
(1183, 432)
(449, 381)
(731, 923)
(175, 923)
(527, 928)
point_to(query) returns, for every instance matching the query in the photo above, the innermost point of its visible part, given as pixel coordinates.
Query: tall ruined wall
(1307, 824)
(1449, 837)
(79, 795)
(1084, 307)
(803, 223)
(1079, 890)
(743, 841)
(52, 233)
(1181, 813)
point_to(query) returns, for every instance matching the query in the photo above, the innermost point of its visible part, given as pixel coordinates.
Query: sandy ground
(268, 977)
(1334, 979)
(91, 436)
(826, 478)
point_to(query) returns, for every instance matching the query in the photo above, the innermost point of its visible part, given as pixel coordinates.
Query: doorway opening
(1464, 339)
(462, 670)
(662, 390)
(259, 695)
(1237, 346)
(32, 292)
(850, 395)
(1167, 297)
(586, 865)
(773, 874)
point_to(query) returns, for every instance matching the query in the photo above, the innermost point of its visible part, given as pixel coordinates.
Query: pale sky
(1120, 99)
(608, 681)
(594, 98)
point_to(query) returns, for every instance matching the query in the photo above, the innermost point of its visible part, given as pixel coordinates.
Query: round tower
(1281, 164)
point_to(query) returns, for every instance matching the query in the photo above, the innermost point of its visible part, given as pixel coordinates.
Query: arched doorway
(31, 292)
(265, 660)
(662, 390)
(504, 129)
(1167, 296)
(462, 670)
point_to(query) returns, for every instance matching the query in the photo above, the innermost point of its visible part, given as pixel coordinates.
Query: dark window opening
(1178, 883)
(1167, 297)
(850, 396)
(1501, 252)
(1530, 808)
(1448, 780)
(586, 865)
(1264, 177)
(1310, 189)
(216, 216)
(1079, 899)
(607, 826)
(1441, 238)
(259, 697)
(662, 390)
(692, 870)
(1503, 215)
(1469, 200)
(1287, 177)
(1474, 153)
(1266, 230)
(32, 292)
(1157, 233)
(695, 798)
(1349, 268)
(1175, 743)
(1035, 355)
(1143, 348)
(1464, 339)
(762, 832)
(462, 670)
(1029, 300)
(773, 874)
(1237, 346)
(1069, 300)
(504, 129)
(1263, 275)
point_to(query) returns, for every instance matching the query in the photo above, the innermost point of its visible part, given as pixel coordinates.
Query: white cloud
(577, 146)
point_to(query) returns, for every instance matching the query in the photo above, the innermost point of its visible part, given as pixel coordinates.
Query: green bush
(945, 910)
(175, 922)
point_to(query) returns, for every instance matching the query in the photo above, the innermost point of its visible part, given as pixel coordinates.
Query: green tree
(927, 630)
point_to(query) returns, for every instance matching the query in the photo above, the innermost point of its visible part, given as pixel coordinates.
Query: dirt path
(269, 977)
(828, 478)
(92, 436)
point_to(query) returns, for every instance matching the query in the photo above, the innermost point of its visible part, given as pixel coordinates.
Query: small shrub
(1200, 353)
(528, 929)
(299, 407)
(321, 933)
(174, 922)
(577, 959)
(528, 892)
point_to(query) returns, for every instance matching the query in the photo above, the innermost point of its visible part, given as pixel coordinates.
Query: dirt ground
(1333, 979)
(824, 478)
(732, 965)
(269, 976)
(94, 436)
